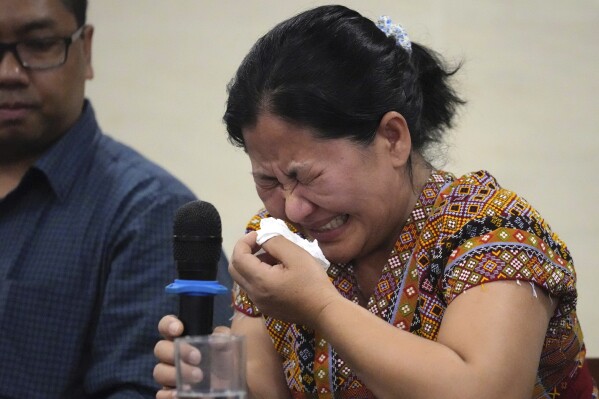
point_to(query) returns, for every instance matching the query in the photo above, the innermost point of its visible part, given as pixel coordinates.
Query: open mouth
(333, 224)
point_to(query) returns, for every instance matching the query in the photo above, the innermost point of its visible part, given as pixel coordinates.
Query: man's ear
(393, 130)
(88, 35)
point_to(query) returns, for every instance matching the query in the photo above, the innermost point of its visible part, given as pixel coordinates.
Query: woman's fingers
(243, 261)
(222, 330)
(165, 351)
(170, 327)
(164, 374)
(166, 393)
(281, 248)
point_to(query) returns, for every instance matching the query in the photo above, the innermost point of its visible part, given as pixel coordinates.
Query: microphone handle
(195, 311)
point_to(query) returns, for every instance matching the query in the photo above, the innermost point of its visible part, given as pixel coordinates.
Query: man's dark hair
(78, 8)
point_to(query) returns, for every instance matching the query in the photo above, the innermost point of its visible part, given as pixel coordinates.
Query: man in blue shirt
(85, 223)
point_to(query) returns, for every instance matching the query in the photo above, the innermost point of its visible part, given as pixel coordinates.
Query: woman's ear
(395, 134)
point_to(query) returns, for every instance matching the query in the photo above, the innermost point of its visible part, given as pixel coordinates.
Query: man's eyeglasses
(44, 53)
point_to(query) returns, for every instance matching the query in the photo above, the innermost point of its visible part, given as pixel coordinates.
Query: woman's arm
(265, 378)
(489, 343)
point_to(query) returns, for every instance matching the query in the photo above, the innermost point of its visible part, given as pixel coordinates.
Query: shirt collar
(66, 158)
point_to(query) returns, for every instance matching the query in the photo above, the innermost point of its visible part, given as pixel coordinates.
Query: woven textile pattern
(462, 233)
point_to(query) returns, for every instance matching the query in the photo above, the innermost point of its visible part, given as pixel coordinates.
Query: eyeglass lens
(42, 53)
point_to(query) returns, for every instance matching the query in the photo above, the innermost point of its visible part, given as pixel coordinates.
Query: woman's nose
(297, 207)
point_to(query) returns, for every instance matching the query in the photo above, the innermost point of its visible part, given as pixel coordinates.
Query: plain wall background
(529, 76)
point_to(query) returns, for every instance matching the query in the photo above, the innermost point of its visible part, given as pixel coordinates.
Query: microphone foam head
(197, 237)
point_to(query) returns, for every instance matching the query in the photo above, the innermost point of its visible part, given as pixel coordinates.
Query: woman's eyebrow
(292, 173)
(295, 169)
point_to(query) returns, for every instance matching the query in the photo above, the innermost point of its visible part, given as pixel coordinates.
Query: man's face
(39, 106)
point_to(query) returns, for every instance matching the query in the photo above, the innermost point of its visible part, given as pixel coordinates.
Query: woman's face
(350, 197)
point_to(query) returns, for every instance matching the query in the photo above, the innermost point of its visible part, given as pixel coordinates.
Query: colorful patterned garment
(462, 233)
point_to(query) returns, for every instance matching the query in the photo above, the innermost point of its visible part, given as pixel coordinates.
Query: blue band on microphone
(196, 287)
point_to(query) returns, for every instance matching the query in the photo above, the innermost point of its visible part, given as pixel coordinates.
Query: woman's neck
(368, 269)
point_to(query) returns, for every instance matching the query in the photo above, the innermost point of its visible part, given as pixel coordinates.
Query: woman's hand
(286, 283)
(164, 372)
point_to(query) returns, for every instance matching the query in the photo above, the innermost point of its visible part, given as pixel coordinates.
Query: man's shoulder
(119, 164)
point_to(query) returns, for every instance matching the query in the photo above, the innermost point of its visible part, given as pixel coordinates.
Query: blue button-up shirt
(85, 255)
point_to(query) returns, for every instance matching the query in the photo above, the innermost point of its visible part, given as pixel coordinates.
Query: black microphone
(197, 243)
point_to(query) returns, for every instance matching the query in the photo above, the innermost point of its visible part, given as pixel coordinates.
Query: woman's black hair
(335, 71)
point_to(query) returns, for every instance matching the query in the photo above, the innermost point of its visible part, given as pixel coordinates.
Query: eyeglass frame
(13, 48)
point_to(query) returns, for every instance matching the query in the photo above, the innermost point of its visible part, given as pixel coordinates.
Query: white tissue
(271, 227)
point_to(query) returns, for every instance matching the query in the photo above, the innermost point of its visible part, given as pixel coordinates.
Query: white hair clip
(396, 31)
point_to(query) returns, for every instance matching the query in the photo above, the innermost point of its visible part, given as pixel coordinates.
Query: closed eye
(308, 179)
(267, 183)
